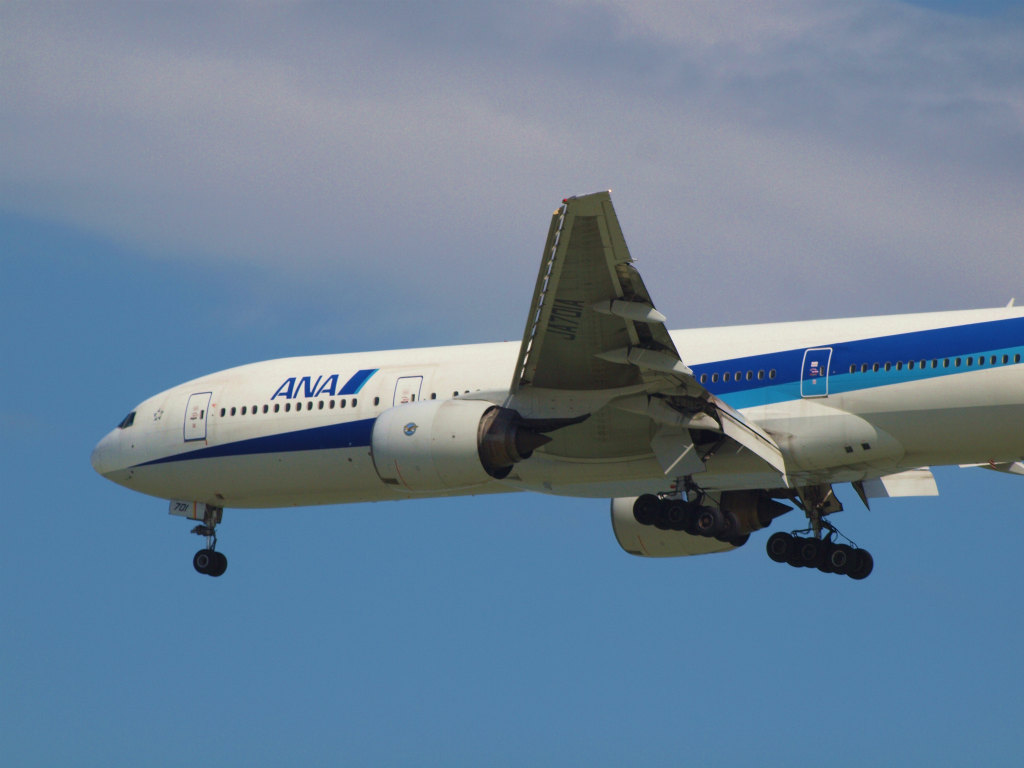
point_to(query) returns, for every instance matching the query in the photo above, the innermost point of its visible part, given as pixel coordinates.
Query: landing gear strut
(209, 561)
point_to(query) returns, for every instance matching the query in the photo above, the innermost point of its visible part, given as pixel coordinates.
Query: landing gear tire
(710, 521)
(779, 546)
(645, 509)
(210, 562)
(861, 566)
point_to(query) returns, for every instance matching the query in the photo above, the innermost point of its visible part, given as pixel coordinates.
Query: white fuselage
(845, 400)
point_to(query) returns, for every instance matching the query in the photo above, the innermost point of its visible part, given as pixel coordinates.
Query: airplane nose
(102, 456)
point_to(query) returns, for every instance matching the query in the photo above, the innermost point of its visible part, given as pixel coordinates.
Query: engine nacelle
(648, 541)
(446, 445)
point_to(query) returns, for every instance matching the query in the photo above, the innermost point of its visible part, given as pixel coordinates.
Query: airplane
(696, 451)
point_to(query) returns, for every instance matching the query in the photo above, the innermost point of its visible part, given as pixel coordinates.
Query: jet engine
(447, 445)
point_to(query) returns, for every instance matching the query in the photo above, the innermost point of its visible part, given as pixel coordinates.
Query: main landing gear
(824, 554)
(692, 517)
(820, 548)
(209, 561)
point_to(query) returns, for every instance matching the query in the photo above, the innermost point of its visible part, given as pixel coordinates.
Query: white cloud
(795, 161)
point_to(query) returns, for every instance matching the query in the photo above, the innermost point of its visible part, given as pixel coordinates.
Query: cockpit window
(128, 421)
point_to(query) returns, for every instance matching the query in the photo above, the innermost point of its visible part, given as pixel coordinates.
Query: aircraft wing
(594, 338)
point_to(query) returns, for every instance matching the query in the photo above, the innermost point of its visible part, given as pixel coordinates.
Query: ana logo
(410, 429)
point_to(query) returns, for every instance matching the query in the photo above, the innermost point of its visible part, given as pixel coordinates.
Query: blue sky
(183, 189)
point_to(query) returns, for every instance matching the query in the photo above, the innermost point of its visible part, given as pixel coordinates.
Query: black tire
(675, 512)
(779, 546)
(645, 508)
(809, 551)
(220, 564)
(824, 560)
(203, 561)
(709, 521)
(690, 521)
(863, 567)
(840, 559)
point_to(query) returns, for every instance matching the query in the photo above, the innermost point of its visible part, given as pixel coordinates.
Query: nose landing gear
(209, 561)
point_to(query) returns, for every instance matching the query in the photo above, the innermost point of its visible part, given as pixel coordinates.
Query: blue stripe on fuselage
(349, 434)
(996, 337)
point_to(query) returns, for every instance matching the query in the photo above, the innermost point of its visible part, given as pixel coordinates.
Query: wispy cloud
(793, 162)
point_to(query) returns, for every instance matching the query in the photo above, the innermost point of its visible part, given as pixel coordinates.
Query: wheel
(779, 546)
(203, 560)
(709, 521)
(675, 513)
(808, 551)
(840, 558)
(739, 541)
(645, 508)
(863, 565)
(730, 527)
(219, 564)
(661, 521)
(824, 560)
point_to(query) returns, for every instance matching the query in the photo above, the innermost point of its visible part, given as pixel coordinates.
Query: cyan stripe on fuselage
(997, 337)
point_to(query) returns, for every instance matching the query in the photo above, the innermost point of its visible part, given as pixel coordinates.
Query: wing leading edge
(594, 344)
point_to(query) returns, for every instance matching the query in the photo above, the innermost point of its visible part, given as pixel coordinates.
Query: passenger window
(277, 407)
(287, 407)
(703, 378)
(376, 401)
(222, 412)
(320, 405)
(266, 407)
(750, 375)
(771, 374)
(343, 402)
(353, 402)
(725, 376)
(760, 375)
(714, 378)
